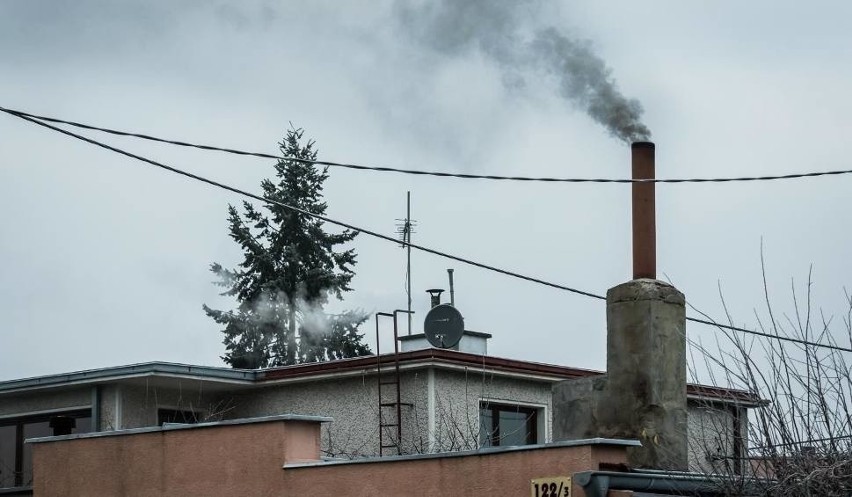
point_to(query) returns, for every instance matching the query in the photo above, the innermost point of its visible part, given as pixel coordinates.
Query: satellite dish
(443, 326)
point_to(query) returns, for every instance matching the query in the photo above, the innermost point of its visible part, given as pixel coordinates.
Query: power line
(802, 442)
(308, 213)
(769, 335)
(421, 172)
(439, 253)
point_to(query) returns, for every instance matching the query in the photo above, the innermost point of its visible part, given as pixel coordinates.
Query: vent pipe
(452, 289)
(644, 216)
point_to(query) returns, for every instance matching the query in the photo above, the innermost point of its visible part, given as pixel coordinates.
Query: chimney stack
(643, 395)
(644, 216)
(435, 295)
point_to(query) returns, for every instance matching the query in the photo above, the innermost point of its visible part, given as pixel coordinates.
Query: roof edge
(308, 370)
(131, 370)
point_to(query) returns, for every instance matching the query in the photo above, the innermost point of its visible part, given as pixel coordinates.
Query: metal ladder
(390, 402)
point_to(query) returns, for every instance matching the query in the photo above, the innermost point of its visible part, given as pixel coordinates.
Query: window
(16, 457)
(505, 425)
(177, 416)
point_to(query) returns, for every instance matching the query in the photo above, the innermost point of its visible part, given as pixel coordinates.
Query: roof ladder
(389, 392)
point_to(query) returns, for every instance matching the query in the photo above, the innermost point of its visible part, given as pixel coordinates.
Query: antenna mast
(404, 230)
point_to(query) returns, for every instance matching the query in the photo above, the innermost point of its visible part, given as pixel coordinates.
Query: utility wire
(308, 213)
(802, 442)
(769, 335)
(439, 253)
(422, 172)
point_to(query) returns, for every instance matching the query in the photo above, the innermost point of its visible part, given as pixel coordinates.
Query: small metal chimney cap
(435, 294)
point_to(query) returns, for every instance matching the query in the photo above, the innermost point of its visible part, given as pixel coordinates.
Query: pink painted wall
(242, 459)
(497, 474)
(247, 459)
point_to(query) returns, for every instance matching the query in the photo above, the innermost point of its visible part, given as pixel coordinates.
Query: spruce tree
(291, 267)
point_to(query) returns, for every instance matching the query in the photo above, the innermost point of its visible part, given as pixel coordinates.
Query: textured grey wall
(351, 401)
(711, 435)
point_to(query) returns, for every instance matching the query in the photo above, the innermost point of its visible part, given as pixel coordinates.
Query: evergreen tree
(290, 269)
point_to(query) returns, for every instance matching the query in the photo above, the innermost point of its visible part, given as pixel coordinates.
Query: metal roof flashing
(417, 359)
(117, 373)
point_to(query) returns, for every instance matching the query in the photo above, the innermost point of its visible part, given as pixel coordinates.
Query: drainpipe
(452, 288)
(599, 483)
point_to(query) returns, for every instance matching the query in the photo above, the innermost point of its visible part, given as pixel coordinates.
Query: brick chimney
(644, 215)
(643, 394)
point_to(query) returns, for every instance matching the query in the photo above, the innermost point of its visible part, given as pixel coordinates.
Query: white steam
(273, 309)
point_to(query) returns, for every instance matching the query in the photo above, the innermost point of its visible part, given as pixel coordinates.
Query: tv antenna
(404, 229)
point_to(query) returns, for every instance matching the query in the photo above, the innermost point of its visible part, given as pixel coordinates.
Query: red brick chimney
(644, 216)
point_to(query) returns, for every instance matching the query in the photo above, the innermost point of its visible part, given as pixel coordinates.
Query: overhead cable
(422, 172)
(391, 239)
(308, 213)
(811, 441)
(769, 335)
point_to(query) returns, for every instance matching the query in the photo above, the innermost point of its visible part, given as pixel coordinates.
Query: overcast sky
(105, 260)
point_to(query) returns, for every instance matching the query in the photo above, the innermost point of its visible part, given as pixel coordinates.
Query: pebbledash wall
(438, 401)
(717, 435)
(440, 408)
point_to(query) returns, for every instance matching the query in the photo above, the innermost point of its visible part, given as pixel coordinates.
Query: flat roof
(101, 375)
(430, 357)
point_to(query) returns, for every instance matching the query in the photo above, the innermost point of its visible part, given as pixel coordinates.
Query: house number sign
(555, 486)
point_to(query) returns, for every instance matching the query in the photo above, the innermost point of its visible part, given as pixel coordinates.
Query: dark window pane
(176, 416)
(505, 425)
(84, 425)
(7, 456)
(33, 430)
(486, 430)
(36, 426)
(514, 428)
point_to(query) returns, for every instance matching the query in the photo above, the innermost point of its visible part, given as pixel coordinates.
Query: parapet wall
(228, 458)
(280, 456)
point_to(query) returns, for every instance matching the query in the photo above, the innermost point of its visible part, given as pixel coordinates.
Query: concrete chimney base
(643, 394)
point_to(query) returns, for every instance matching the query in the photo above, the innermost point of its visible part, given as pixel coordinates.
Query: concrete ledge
(180, 426)
(612, 442)
(16, 491)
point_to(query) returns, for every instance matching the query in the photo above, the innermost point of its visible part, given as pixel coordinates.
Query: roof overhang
(151, 371)
(219, 378)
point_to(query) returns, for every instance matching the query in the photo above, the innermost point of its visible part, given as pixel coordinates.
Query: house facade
(449, 400)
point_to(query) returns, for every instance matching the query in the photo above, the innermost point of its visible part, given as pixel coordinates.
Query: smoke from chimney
(496, 28)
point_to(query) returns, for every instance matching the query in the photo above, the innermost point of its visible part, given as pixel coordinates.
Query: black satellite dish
(443, 326)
